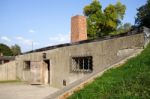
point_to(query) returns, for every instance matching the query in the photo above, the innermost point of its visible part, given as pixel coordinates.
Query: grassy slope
(130, 81)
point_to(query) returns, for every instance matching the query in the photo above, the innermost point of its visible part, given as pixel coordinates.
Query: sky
(35, 24)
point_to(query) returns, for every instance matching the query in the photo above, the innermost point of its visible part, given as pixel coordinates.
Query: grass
(130, 81)
(9, 81)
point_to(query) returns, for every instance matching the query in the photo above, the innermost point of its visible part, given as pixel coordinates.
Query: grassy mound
(130, 81)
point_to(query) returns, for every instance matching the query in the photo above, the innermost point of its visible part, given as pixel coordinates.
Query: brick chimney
(78, 28)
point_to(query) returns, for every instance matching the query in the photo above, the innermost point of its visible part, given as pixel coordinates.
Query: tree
(95, 18)
(127, 27)
(143, 15)
(5, 50)
(16, 49)
(122, 28)
(101, 23)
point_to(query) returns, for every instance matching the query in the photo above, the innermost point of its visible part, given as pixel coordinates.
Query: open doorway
(47, 62)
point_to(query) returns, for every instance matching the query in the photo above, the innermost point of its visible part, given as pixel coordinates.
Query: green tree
(101, 23)
(143, 15)
(95, 18)
(5, 50)
(127, 26)
(122, 28)
(16, 50)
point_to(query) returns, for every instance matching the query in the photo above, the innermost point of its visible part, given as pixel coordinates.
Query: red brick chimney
(78, 28)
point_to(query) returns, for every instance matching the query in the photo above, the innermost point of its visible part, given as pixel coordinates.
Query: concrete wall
(104, 53)
(8, 71)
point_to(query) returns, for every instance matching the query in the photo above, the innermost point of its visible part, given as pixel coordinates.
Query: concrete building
(63, 64)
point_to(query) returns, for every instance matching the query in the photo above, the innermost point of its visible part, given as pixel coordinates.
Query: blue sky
(46, 22)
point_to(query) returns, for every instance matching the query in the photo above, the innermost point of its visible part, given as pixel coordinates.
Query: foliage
(5, 50)
(95, 18)
(122, 29)
(16, 49)
(130, 81)
(143, 15)
(127, 26)
(100, 23)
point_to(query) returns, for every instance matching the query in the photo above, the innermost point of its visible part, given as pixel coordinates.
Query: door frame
(47, 61)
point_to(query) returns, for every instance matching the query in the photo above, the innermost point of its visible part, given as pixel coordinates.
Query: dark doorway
(48, 68)
(27, 65)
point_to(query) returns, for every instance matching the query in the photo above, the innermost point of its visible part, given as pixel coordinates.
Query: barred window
(82, 64)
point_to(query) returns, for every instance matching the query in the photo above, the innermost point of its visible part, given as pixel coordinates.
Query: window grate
(82, 64)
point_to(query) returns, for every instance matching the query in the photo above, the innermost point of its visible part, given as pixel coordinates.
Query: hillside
(130, 81)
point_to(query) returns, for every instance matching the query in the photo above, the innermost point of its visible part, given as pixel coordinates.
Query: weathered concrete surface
(23, 91)
(8, 71)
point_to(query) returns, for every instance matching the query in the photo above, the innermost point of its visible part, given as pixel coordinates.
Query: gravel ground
(24, 91)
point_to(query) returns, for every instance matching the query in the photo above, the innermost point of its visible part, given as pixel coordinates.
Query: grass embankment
(130, 81)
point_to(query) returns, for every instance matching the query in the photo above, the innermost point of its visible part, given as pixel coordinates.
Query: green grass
(130, 81)
(9, 81)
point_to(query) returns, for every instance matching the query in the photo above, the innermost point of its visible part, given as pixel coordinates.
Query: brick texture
(78, 28)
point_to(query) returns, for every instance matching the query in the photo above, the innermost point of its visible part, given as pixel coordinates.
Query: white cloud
(26, 44)
(60, 38)
(31, 31)
(25, 41)
(5, 38)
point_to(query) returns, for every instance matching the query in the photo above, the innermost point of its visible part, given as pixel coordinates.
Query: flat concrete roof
(131, 32)
(7, 57)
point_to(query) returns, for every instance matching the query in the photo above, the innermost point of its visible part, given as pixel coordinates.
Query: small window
(83, 64)
(27, 65)
(64, 82)
(44, 55)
